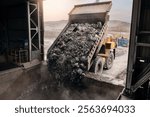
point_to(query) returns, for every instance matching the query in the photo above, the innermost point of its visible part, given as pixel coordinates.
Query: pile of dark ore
(67, 60)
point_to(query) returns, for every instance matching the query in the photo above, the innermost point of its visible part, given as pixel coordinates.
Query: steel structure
(33, 28)
(21, 32)
(138, 71)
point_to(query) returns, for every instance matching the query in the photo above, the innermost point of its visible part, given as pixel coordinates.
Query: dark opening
(13, 33)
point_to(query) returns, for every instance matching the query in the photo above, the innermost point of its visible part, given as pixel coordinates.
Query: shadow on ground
(37, 84)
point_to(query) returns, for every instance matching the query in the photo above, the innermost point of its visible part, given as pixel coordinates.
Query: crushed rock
(67, 60)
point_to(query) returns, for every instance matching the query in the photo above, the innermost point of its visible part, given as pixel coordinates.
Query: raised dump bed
(75, 49)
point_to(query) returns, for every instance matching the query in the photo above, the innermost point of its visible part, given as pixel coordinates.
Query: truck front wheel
(109, 61)
(97, 66)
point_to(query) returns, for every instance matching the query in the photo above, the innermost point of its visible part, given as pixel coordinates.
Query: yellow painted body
(110, 44)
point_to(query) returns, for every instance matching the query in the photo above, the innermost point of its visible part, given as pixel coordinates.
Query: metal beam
(34, 27)
(133, 41)
(143, 44)
(29, 31)
(142, 80)
(39, 25)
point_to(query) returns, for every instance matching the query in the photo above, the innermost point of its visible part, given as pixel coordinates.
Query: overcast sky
(55, 10)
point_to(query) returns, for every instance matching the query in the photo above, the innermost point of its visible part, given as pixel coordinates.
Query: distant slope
(119, 26)
(52, 25)
(53, 28)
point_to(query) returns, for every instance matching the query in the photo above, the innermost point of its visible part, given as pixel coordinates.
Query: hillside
(119, 26)
(53, 28)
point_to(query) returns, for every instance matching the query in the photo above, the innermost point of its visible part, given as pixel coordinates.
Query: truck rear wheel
(97, 66)
(109, 61)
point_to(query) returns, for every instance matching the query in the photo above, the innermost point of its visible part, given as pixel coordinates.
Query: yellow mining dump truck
(107, 51)
(72, 45)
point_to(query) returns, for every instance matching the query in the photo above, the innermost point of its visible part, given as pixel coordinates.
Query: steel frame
(144, 76)
(33, 27)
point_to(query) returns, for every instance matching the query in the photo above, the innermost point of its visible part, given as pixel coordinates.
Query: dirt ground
(117, 74)
(37, 84)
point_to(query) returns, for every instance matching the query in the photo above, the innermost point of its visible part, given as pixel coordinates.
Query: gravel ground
(117, 73)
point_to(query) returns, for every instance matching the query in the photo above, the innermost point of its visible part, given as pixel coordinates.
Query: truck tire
(97, 66)
(109, 61)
